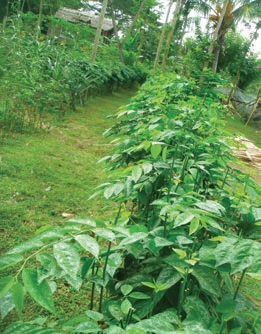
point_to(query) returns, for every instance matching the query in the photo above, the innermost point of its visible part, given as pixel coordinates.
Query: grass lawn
(44, 175)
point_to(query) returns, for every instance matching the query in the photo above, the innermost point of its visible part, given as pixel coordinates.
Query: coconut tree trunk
(171, 32)
(214, 40)
(116, 33)
(216, 53)
(162, 36)
(98, 32)
(216, 34)
(124, 39)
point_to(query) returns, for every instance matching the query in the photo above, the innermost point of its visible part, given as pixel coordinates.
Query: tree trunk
(116, 33)
(3, 10)
(142, 39)
(124, 39)
(162, 37)
(216, 53)
(215, 37)
(28, 5)
(98, 32)
(38, 28)
(171, 32)
(184, 26)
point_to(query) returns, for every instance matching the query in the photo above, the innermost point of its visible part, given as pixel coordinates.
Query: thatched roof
(77, 16)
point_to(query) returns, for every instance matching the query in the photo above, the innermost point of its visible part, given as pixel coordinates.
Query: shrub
(174, 257)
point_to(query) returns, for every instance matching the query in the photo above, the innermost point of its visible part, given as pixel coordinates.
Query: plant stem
(93, 285)
(106, 262)
(103, 277)
(239, 284)
(223, 183)
(182, 293)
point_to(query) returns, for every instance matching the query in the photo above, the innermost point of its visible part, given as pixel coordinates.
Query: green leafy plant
(175, 256)
(52, 74)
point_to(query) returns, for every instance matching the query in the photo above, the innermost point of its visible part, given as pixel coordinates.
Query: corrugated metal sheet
(77, 16)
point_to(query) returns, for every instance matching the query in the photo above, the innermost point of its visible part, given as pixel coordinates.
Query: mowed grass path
(46, 174)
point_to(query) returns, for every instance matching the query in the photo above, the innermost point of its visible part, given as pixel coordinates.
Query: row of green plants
(184, 238)
(52, 74)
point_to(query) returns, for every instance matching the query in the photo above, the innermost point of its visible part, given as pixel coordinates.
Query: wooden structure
(83, 17)
(248, 152)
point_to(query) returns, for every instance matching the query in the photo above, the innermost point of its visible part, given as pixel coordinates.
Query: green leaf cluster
(184, 238)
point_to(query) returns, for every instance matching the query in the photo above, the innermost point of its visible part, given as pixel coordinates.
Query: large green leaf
(147, 167)
(208, 281)
(155, 150)
(126, 289)
(105, 234)
(50, 234)
(28, 328)
(136, 173)
(96, 316)
(18, 297)
(193, 327)
(183, 219)
(126, 306)
(26, 246)
(133, 238)
(117, 330)
(114, 262)
(6, 304)
(168, 276)
(238, 255)
(84, 221)
(196, 311)
(67, 258)
(139, 295)
(89, 244)
(223, 252)
(41, 293)
(9, 260)
(256, 213)
(75, 282)
(244, 254)
(6, 284)
(161, 323)
(169, 315)
(211, 206)
(114, 309)
(48, 267)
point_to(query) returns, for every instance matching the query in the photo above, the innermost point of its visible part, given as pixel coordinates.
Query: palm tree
(225, 18)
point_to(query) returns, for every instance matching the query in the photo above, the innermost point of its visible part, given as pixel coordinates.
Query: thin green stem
(103, 277)
(239, 284)
(224, 181)
(95, 266)
(129, 315)
(106, 262)
(182, 293)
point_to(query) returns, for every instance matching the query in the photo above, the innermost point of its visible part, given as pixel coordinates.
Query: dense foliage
(185, 236)
(53, 73)
(174, 257)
